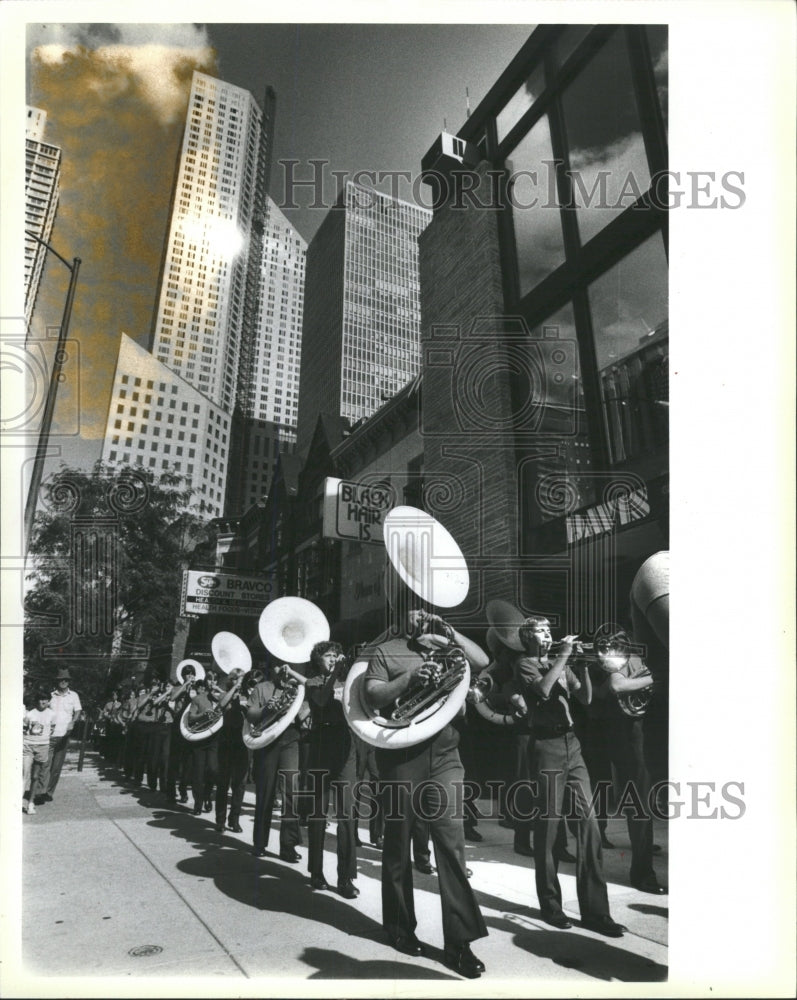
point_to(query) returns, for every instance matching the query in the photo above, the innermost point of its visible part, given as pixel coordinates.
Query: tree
(106, 560)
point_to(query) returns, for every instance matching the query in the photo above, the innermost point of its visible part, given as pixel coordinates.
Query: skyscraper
(272, 405)
(204, 322)
(42, 176)
(362, 316)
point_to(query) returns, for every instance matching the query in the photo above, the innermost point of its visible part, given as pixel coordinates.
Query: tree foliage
(105, 572)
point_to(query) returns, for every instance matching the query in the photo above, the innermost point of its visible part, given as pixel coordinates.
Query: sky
(360, 96)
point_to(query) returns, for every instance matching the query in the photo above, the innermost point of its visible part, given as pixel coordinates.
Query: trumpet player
(179, 748)
(557, 764)
(233, 756)
(333, 768)
(394, 666)
(281, 757)
(204, 753)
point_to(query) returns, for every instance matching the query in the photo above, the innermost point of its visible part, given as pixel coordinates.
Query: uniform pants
(158, 755)
(333, 759)
(366, 766)
(281, 756)
(179, 770)
(204, 769)
(435, 767)
(233, 764)
(559, 766)
(141, 733)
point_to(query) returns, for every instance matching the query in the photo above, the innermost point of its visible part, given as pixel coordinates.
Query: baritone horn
(289, 628)
(422, 559)
(230, 653)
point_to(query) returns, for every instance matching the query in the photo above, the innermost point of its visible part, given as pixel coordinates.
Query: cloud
(153, 61)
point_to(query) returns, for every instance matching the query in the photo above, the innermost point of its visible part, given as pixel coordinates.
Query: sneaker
(30, 808)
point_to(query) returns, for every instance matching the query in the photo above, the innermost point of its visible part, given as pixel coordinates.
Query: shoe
(30, 809)
(207, 807)
(649, 884)
(565, 856)
(409, 945)
(220, 827)
(606, 843)
(347, 889)
(471, 833)
(290, 855)
(319, 882)
(468, 873)
(425, 867)
(604, 925)
(558, 920)
(47, 797)
(39, 800)
(235, 826)
(183, 798)
(462, 960)
(196, 811)
(357, 842)
(259, 852)
(379, 843)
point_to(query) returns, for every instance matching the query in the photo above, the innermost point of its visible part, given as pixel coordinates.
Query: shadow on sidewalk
(335, 965)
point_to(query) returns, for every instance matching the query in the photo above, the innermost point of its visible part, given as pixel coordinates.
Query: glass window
(657, 40)
(535, 207)
(608, 162)
(520, 102)
(630, 324)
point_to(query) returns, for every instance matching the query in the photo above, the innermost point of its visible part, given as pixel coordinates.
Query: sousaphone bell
(289, 628)
(424, 559)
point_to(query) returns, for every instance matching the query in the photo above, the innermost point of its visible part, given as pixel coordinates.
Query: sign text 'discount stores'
(225, 593)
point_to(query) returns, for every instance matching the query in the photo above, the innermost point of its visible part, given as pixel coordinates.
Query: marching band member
(233, 758)
(180, 749)
(205, 752)
(619, 680)
(281, 757)
(558, 765)
(393, 666)
(333, 768)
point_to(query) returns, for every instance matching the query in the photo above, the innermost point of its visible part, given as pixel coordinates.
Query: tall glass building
(42, 181)
(362, 322)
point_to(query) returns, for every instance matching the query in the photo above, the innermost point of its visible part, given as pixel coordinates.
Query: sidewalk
(116, 884)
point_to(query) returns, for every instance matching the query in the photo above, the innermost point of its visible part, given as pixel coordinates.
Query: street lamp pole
(55, 377)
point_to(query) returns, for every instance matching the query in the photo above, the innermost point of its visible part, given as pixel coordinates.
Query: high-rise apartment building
(362, 314)
(42, 176)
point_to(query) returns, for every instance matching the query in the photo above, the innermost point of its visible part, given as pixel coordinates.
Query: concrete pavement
(117, 884)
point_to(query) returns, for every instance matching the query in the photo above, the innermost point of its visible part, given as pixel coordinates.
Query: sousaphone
(496, 705)
(424, 559)
(230, 653)
(289, 628)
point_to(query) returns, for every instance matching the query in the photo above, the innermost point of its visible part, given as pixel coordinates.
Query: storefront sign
(604, 517)
(355, 511)
(225, 593)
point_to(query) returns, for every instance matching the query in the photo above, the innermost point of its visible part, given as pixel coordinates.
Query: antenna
(467, 103)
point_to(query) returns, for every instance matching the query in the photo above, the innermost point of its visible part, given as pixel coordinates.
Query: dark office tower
(362, 315)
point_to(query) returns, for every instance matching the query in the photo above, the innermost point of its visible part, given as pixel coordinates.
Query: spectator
(38, 726)
(67, 708)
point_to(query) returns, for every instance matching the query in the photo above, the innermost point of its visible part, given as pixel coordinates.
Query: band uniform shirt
(149, 712)
(202, 703)
(67, 707)
(38, 726)
(330, 713)
(262, 693)
(553, 712)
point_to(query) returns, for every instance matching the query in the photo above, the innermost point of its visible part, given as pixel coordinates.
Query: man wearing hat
(66, 705)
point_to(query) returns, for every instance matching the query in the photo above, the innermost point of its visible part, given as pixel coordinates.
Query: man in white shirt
(66, 705)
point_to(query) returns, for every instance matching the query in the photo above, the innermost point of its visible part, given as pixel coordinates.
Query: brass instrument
(447, 667)
(231, 653)
(425, 560)
(289, 628)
